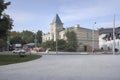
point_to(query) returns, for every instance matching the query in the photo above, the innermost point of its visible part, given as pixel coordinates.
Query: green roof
(57, 20)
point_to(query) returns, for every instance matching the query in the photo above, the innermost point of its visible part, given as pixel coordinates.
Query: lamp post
(8, 41)
(56, 41)
(114, 36)
(93, 38)
(35, 40)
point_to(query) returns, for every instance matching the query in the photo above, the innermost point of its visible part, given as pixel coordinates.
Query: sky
(37, 15)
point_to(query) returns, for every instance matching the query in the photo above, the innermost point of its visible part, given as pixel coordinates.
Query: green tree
(62, 45)
(52, 45)
(71, 41)
(2, 43)
(39, 37)
(49, 44)
(14, 33)
(5, 22)
(15, 38)
(28, 36)
(23, 37)
(3, 6)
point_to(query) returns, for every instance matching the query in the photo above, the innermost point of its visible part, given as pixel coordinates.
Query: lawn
(10, 59)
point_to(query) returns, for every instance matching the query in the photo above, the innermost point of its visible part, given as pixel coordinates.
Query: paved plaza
(65, 67)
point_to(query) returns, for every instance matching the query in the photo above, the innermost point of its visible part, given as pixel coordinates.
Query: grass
(10, 59)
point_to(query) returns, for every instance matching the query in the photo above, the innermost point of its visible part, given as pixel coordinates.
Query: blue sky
(36, 15)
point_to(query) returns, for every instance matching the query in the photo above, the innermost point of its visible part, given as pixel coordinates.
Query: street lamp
(8, 41)
(35, 40)
(93, 47)
(56, 41)
(114, 36)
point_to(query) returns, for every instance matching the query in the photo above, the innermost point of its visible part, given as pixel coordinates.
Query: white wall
(106, 45)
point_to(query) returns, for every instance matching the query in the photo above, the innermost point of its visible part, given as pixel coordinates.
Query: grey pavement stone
(65, 67)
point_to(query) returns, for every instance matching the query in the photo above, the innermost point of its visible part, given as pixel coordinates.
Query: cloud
(71, 12)
(29, 21)
(22, 16)
(77, 11)
(108, 24)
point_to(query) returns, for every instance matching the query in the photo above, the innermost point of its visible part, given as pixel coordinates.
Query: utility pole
(93, 38)
(56, 42)
(114, 36)
(8, 41)
(35, 39)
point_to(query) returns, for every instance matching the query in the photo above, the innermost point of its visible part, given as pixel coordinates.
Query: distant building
(84, 36)
(106, 38)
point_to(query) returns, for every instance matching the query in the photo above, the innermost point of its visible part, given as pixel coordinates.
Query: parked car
(19, 51)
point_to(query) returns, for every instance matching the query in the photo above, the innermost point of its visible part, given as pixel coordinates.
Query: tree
(14, 33)
(5, 26)
(15, 38)
(2, 43)
(28, 36)
(23, 37)
(52, 45)
(49, 44)
(71, 41)
(39, 37)
(3, 6)
(5, 22)
(62, 45)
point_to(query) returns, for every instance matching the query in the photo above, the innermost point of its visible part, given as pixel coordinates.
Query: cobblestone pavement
(65, 67)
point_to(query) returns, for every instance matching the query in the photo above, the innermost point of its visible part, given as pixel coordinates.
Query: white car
(19, 51)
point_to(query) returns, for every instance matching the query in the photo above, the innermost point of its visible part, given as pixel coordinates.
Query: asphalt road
(65, 67)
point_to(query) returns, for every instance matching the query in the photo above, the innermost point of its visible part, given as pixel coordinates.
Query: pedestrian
(47, 50)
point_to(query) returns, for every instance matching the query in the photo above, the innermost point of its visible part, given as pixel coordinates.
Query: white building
(106, 39)
(84, 36)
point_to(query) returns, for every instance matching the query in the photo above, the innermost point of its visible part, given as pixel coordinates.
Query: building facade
(84, 36)
(106, 39)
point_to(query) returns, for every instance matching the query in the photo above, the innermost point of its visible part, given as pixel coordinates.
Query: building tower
(56, 27)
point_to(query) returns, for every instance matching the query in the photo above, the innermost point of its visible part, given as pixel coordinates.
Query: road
(65, 67)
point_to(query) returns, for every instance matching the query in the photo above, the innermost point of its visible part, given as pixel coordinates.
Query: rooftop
(109, 30)
(57, 20)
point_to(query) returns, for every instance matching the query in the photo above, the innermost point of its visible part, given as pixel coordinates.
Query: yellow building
(84, 36)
